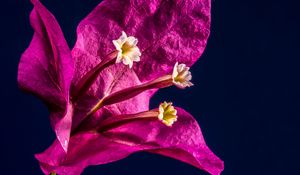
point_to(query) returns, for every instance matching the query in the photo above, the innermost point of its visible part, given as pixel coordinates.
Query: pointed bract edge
(182, 141)
(46, 68)
(167, 31)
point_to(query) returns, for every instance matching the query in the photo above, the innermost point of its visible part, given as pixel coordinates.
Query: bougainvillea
(98, 93)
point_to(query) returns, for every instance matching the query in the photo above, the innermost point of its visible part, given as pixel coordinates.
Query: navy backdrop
(246, 93)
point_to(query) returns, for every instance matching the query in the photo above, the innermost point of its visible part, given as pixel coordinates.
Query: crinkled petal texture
(46, 69)
(167, 31)
(182, 141)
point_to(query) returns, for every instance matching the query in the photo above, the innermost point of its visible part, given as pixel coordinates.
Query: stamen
(182, 76)
(127, 49)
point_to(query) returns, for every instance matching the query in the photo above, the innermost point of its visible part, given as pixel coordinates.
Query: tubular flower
(181, 76)
(167, 113)
(99, 110)
(127, 49)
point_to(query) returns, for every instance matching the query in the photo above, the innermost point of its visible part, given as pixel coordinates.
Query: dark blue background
(246, 93)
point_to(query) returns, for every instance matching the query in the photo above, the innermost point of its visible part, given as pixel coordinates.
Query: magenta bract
(167, 32)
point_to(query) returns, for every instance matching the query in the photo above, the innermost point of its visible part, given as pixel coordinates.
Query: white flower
(128, 52)
(167, 113)
(182, 76)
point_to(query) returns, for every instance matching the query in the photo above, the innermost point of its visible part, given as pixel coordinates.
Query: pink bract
(168, 32)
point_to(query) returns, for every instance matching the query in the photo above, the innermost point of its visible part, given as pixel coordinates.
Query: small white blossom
(128, 52)
(167, 113)
(182, 76)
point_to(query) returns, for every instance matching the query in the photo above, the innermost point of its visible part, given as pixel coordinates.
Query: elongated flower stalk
(90, 77)
(181, 78)
(166, 113)
(126, 52)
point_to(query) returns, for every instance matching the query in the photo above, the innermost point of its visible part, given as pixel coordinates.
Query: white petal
(175, 72)
(119, 57)
(132, 41)
(117, 44)
(123, 37)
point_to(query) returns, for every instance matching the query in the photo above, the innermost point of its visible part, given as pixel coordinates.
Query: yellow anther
(128, 52)
(182, 76)
(167, 113)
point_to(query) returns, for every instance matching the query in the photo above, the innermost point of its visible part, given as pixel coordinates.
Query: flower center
(128, 52)
(126, 47)
(167, 113)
